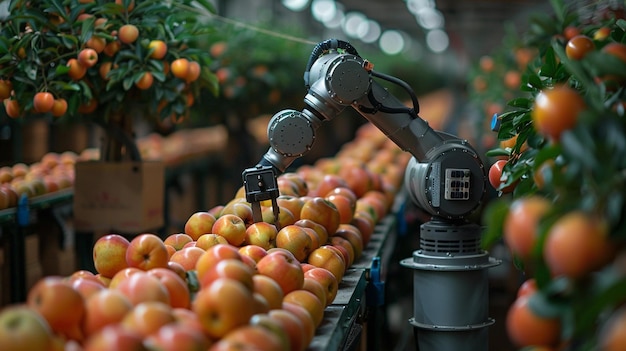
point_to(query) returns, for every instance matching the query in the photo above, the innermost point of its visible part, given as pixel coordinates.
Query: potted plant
(110, 62)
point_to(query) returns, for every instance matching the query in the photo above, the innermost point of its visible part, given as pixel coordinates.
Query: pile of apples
(53, 172)
(226, 282)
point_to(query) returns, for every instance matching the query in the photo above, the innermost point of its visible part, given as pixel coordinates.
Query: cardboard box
(123, 197)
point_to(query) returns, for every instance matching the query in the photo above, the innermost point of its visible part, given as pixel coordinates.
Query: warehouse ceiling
(473, 26)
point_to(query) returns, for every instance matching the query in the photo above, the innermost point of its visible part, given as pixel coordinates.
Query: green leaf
(493, 219)
(559, 9)
(520, 102)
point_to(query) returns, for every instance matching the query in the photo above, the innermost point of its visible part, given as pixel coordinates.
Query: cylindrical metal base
(451, 293)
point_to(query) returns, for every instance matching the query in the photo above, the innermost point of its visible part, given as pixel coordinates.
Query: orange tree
(102, 58)
(567, 129)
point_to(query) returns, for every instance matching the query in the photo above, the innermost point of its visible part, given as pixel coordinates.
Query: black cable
(322, 47)
(402, 84)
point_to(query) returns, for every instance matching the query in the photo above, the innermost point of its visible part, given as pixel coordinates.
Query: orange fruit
(5, 89)
(193, 71)
(556, 110)
(12, 108)
(77, 70)
(128, 33)
(43, 102)
(579, 46)
(576, 245)
(180, 68)
(59, 107)
(521, 222)
(145, 82)
(160, 49)
(525, 327)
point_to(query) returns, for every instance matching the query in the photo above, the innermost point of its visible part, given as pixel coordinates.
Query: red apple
(319, 229)
(207, 240)
(329, 258)
(292, 203)
(285, 217)
(327, 184)
(199, 223)
(147, 251)
(272, 326)
(295, 239)
(229, 268)
(187, 257)
(261, 234)
(109, 254)
(293, 326)
(178, 240)
(269, 289)
(241, 209)
(255, 252)
(223, 306)
(180, 296)
(213, 255)
(353, 235)
(322, 211)
(231, 227)
(346, 249)
(176, 337)
(114, 337)
(344, 205)
(142, 287)
(326, 279)
(284, 269)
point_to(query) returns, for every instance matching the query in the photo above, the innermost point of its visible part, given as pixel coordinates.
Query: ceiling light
(437, 40)
(391, 42)
(295, 5)
(323, 10)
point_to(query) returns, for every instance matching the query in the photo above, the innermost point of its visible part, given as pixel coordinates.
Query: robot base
(451, 292)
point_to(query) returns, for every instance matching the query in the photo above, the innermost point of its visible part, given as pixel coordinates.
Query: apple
(316, 288)
(255, 252)
(109, 254)
(52, 297)
(147, 251)
(287, 187)
(261, 234)
(178, 269)
(85, 286)
(142, 287)
(283, 268)
(269, 289)
(292, 203)
(249, 337)
(175, 337)
(199, 223)
(223, 306)
(229, 268)
(343, 191)
(344, 205)
(231, 227)
(187, 257)
(241, 209)
(23, 329)
(299, 180)
(285, 217)
(326, 279)
(293, 326)
(329, 258)
(188, 319)
(358, 178)
(177, 288)
(295, 239)
(114, 337)
(319, 229)
(207, 240)
(178, 240)
(272, 326)
(104, 308)
(346, 249)
(306, 266)
(328, 182)
(353, 235)
(322, 211)
(213, 255)
(216, 210)
(148, 317)
(309, 301)
(365, 224)
(305, 317)
(315, 239)
(122, 275)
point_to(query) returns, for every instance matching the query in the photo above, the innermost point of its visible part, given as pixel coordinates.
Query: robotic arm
(445, 177)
